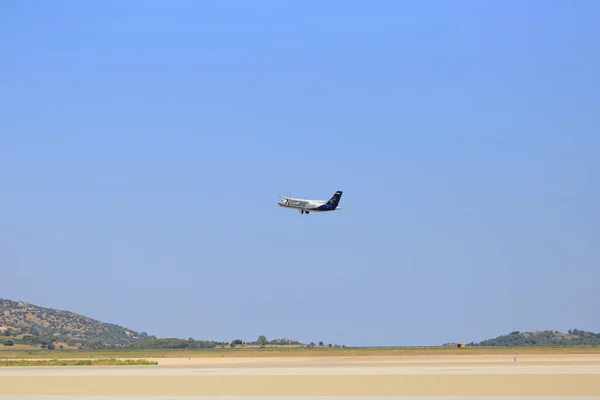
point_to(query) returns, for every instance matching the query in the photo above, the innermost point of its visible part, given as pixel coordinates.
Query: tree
(329, 345)
(8, 343)
(262, 340)
(7, 332)
(51, 346)
(236, 341)
(321, 343)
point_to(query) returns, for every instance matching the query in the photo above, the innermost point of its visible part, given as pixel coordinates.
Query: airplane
(306, 206)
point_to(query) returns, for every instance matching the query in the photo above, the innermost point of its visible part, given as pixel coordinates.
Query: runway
(285, 397)
(310, 378)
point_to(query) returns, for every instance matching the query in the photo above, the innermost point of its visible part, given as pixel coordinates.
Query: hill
(28, 324)
(573, 338)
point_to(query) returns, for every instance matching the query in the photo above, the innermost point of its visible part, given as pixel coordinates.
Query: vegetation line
(71, 363)
(103, 355)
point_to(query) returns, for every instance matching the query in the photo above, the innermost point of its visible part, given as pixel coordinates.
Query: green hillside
(24, 325)
(27, 324)
(573, 338)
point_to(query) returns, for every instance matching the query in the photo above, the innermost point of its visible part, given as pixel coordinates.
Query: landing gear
(303, 212)
(307, 212)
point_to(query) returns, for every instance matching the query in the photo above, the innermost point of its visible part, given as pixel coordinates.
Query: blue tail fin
(334, 201)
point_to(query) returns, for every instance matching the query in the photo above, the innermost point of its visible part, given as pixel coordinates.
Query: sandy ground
(531, 375)
(447, 359)
(82, 397)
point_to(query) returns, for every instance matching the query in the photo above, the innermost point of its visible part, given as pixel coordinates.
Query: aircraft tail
(334, 201)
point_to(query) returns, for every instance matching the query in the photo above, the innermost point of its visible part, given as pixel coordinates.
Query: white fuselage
(303, 204)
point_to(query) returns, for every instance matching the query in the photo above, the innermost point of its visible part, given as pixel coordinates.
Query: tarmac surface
(284, 397)
(385, 377)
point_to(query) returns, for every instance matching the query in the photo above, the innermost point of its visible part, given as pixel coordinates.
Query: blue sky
(143, 146)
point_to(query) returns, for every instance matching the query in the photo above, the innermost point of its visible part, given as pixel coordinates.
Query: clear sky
(143, 145)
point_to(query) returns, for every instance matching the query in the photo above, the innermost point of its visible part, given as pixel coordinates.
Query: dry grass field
(291, 352)
(72, 362)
